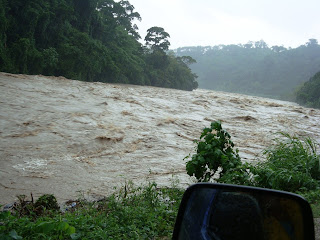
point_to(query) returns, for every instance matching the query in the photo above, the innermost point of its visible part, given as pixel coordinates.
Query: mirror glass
(232, 212)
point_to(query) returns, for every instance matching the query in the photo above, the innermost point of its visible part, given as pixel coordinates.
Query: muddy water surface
(63, 136)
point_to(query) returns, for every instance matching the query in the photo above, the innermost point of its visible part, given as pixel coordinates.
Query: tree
(89, 40)
(309, 93)
(157, 39)
(249, 44)
(126, 16)
(278, 49)
(260, 44)
(186, 60)
(119, 14)
(254, 69)
(312, 42)
(3, 36)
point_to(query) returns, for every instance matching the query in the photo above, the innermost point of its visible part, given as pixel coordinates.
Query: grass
(145, 212)
(292, 165)
(313, 197)
(316, 210)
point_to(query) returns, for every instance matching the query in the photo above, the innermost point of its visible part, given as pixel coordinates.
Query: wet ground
(67, 137)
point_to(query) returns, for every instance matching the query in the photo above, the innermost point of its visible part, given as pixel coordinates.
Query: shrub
(291, 164)
(215, 154)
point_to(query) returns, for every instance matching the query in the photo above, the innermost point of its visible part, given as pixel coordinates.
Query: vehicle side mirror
(225, 212)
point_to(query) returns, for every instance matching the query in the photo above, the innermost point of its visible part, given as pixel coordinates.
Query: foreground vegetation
(291, 164)
(149, 212)
(145, 212)
(89, 40)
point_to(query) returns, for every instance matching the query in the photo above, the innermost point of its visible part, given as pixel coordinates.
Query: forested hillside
(90, 40)
(309, 93)
(255, 68)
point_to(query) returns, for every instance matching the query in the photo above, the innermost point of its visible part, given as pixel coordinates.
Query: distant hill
(255, 68)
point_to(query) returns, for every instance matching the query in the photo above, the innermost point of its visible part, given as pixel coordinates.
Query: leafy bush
(46, 204)
(215, 154)
(14, 227)
(291, 164)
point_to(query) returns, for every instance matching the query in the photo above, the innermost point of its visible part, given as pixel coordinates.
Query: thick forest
(89, 40)
(255, 68)
(309, 93)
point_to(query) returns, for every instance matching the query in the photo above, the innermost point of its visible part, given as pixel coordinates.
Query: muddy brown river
(67, 137)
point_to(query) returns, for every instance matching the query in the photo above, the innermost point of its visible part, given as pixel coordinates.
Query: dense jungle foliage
(309, 93)
(90, 40)
(255, 68)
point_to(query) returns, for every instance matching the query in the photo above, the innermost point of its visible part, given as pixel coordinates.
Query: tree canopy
(157, 39)
(309, 93)
(89, 40)
(255, 68)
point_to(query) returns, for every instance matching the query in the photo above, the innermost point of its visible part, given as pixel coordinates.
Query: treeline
(255, 68)
(89, 40)
(309, 93)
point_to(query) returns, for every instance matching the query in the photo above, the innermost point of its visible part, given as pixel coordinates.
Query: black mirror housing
(223, 212)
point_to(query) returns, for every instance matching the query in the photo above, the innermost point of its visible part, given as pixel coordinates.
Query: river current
(68, 138)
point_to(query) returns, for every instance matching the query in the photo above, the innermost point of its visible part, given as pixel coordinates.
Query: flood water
(67, 137)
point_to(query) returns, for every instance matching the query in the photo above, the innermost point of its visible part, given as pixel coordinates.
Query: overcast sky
(212, 22)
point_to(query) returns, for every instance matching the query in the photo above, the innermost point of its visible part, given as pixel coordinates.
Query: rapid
(67, 137)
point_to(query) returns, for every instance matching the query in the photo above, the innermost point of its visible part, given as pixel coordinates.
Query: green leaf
(205, 132)
(45, 227)
(216, 125)
(202, 160)
(75, 236)
(217, 153)
(63, 226)
(71, 230)
(5, 215)
(14, 235)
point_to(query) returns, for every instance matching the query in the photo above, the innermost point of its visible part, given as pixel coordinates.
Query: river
(72, 138)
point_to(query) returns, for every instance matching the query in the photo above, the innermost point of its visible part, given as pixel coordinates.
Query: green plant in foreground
(146, 212)
(291, 164)
(14, 227)
(215, 154)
